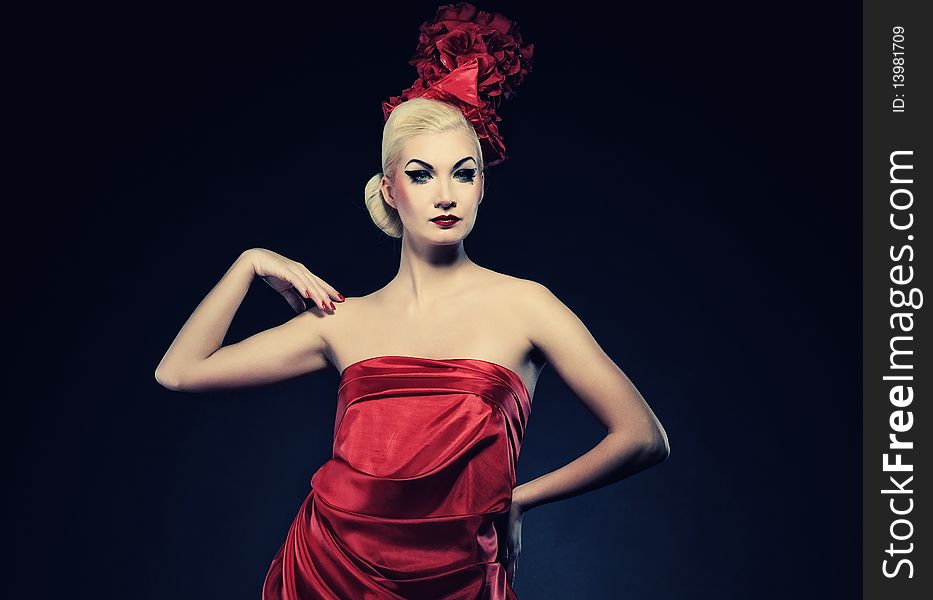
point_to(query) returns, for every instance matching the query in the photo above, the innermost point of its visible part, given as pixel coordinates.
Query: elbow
(662, 450)
(167, 380)
(656, 448)
(647, 447)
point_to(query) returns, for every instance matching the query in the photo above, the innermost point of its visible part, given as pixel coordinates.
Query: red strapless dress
(424, 462)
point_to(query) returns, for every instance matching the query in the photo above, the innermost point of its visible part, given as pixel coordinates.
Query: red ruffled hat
(472, 59)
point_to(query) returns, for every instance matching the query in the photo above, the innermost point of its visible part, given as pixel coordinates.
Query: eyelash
(471, 173)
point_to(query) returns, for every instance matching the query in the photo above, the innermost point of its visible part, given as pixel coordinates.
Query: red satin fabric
(423, 464)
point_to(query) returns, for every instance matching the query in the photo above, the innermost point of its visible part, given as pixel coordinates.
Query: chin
(450, 241)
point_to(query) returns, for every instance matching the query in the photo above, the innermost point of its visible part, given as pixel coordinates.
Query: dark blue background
(685, 177)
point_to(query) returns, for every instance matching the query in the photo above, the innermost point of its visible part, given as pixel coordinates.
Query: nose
(446, 203)
(445, 195)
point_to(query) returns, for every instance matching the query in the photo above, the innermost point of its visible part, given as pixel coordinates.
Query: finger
(328, 293)
(294, 300)
(305, 285)
(322, 299)
(314, 282)
(312, 290)
(331, 291)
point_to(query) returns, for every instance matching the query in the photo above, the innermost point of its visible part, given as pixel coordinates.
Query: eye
(467, 174)
(418, 176)
(421, 176)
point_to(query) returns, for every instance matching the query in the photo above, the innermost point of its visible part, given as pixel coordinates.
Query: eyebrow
(457, 164)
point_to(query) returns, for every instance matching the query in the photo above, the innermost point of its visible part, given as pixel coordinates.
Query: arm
(635, 440)
(196, 362)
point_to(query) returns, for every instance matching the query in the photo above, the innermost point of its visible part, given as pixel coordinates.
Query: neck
(430, 273)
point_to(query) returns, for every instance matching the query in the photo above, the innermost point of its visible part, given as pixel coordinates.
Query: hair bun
(472, 59)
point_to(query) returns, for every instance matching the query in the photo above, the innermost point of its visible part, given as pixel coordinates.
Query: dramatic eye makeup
(421, 176)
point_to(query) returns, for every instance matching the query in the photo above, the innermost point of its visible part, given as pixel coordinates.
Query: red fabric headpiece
(471, 59)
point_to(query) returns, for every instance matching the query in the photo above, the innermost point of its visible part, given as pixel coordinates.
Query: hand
(291, 279)
(509, 528)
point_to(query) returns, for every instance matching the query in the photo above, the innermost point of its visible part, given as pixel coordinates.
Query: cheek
(404, 199)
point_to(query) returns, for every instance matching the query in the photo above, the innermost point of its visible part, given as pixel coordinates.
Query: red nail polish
(323, 305)
(339, 295)
(332, 307)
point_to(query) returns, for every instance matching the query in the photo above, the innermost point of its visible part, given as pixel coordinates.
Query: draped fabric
(424, 462)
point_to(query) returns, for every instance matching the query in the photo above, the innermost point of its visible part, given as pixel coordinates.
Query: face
(438, 174)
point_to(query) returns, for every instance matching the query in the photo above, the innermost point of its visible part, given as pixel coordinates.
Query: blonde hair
(407, 120)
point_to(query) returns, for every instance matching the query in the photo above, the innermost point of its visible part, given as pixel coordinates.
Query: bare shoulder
(522, 293)
(352, 308)
(538, 311)
(524, 302)
(508, 283)
(349, 318)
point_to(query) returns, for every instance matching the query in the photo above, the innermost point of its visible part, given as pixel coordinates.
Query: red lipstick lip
(446, 221)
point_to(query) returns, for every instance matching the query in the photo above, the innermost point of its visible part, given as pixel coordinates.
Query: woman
(438, 370)
(440, 304)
